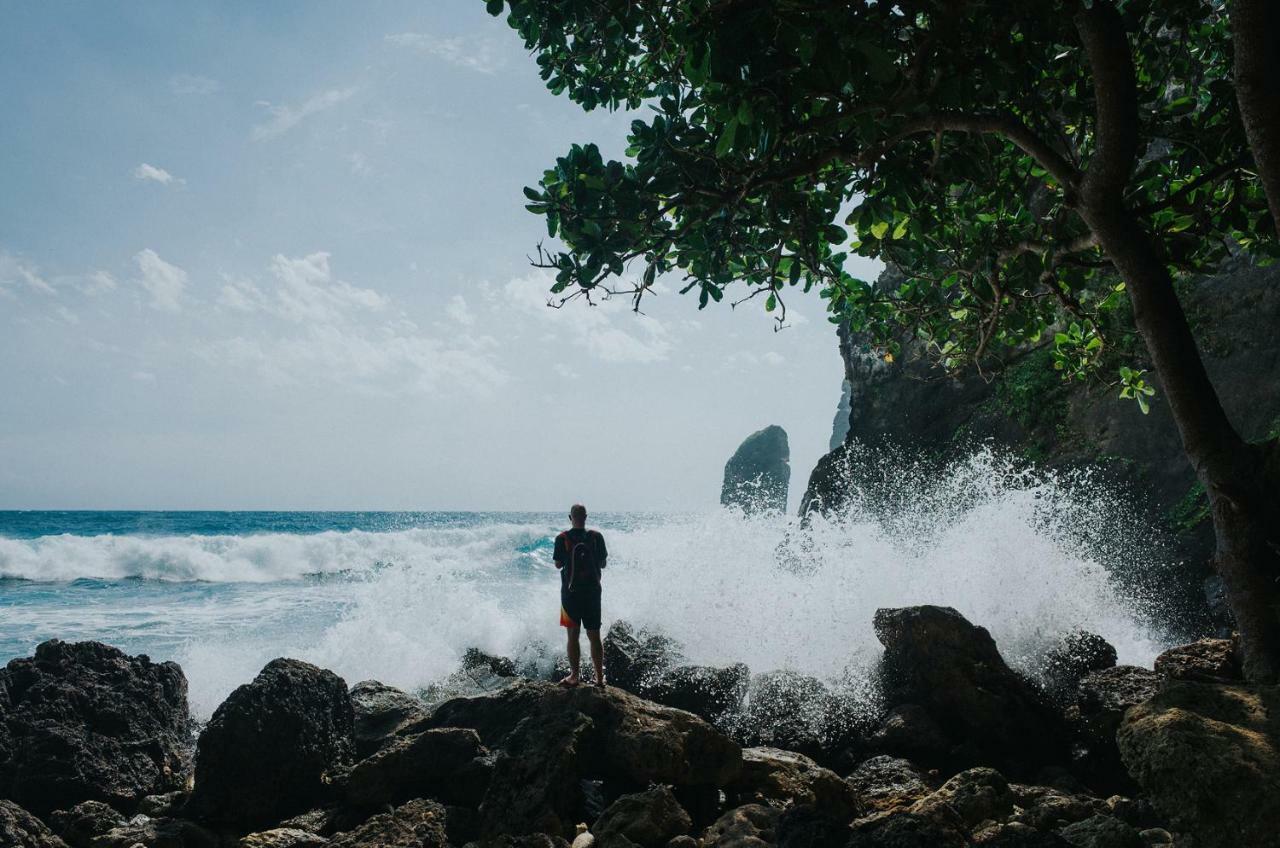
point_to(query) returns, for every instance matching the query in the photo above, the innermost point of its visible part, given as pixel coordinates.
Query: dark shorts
(580, 607)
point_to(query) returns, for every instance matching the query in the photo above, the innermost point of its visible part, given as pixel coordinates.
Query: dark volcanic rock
(635, 660)
(757, 476)
(1017, 835)
(784, 778)
(888, 783)
(84, 822)
(20, 829)
(282, 837)
(550, 739)
(1076, 655)
(751, 826)
(910, 731)
(84, 721)
(648, 819)
(935, 658)
(156, 833)
(1101, 700)
(1208, 757)
(270, 748)
(379, 711)
(972, 796)
(1102, 832)
(906, 830)
(417, 824)
(440, 763)
(703, 690)
(1206, 660)
(797, 713)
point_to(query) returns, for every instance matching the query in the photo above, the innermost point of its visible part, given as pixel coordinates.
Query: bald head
(578, 515)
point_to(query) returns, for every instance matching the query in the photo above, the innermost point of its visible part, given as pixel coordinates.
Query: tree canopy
(944, 138)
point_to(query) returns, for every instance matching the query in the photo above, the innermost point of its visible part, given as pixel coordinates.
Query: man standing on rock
(580, 555)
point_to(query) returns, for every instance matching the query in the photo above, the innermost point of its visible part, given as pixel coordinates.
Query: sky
(275, 256)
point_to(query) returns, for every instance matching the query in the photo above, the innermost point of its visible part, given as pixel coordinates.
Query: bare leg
(597, 655)
(575, 656)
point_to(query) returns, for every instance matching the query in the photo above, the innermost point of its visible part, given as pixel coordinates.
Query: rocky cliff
(758, 475)
(1028, 410)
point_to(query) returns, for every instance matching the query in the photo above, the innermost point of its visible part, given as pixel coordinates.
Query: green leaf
(494, 7)
(901, 230)
(879, 228)
(1143, 405)
(725, 144)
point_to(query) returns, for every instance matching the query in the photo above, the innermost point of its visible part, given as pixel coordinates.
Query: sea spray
(1026, 554)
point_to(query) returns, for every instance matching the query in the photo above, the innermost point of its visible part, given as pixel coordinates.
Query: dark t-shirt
(564, 547)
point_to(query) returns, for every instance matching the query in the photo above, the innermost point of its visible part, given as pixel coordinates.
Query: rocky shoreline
(98, 750)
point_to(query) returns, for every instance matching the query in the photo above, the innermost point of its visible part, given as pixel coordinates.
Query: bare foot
(570, 681)
(599, 684)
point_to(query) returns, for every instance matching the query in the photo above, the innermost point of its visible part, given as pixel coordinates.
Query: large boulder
(1206, 660)
(757, 476)
(796, 712)
(887, 783)
(417, 824)
(935, 658)
(272, 746)
(634, 660)
(282, 837)
(971, 797)
(1102, 831)
(550, 739)
(20, 829)
(379, 711)
(906, 830)
(646, 819)
(445, 763)
(1075, 655)
(1102, 698)
(85, 822)
(84, 721)
(707, 691)
(1208, 757)
(910, 731)
(749, 826)
(785, 778)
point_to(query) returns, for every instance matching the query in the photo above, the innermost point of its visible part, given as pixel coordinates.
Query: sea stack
(756, 477)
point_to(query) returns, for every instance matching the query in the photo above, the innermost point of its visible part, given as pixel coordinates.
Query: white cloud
(611, 331)
(154, 174)
(15, 272)
(143, 376)
(193, 84)
(163, 281)
(329, 331)
(285, 118)
(359, 164)
(476, 54)
(99, 282)
(459, 312)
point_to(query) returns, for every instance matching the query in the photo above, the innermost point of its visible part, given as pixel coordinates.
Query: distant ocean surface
(399, 596)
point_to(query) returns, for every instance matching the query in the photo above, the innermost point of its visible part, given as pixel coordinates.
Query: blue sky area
(273, 255)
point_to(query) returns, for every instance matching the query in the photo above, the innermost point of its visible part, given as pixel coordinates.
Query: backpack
(581, 562)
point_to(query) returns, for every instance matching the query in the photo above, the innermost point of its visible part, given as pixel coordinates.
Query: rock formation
(84, 721)
(757, 476)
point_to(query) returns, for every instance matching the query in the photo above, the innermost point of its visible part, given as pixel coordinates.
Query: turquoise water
(400, 596)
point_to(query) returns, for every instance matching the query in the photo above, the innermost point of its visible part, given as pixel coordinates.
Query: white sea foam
(1014, 551)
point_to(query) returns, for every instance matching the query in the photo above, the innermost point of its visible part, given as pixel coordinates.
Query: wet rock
(1101, 701)
(438, 763)
(677, 842)
(379, 711)
(1206, 660)
(935, 658)
(417, 824)
(909, 731)
(81, 824)
(271, 747)
(887, 783)
(634, 660)
(757, 476)
(785, 778)
(702, 690)
(797, 713)
(20, 829)
(1102, 832)
(1076, 654)
(807, 826)
(84, 721)
(1208, 757)
(750, 826)
(1048, 808)
(550, 739)
(321, 821)
(1017, 835)
(1156, 836)
(906, 830)
(282, 837)
(648, 819)
(973, 796)
(156, 833)
(477, 660)
(168, 804)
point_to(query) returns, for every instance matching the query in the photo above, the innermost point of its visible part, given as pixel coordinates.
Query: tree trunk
(1255, 32)
(1239, 479)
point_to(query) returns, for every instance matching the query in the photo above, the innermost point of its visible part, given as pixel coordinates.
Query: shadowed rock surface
(757, 476)
(271, 746)
(85, 721)
(379, 711)
(1208, 756)
(20, 829)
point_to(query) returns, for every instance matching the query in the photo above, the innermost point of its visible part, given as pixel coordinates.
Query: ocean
(399, 596)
